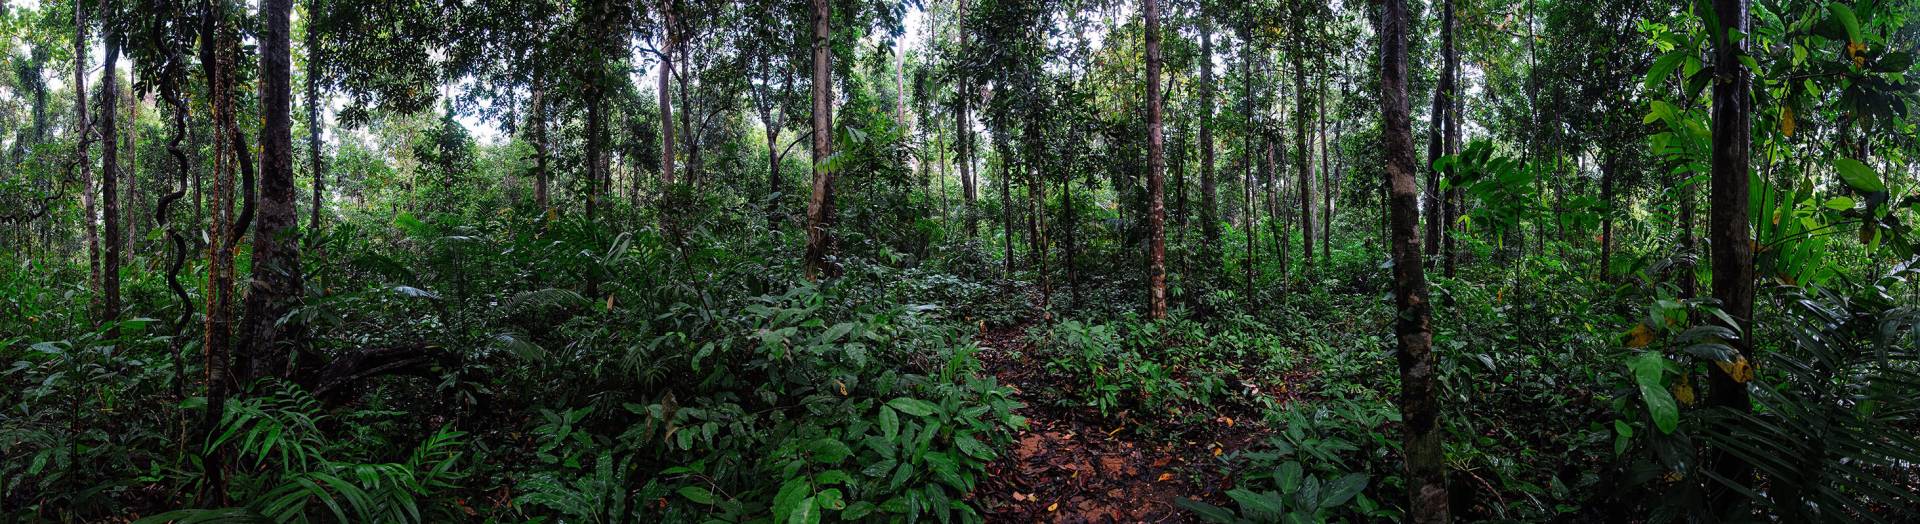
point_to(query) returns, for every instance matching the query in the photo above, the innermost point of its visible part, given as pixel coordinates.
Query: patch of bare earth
(1073, 465)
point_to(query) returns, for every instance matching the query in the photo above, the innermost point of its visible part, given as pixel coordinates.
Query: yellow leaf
(609, 302)
(1786, 120)
(1166, 477)
(1854, 50)
(1639, 337)
(1053, 506)
(1683, 392)
(1218, 451)
(842, 386)
(1739, 369)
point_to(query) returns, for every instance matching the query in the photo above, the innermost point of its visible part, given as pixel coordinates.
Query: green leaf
(1207, 512)
(1663, 68)
(1289, 476)
(792, 496)
(1260, 506)
(1622, 436)
(889, 423)
(913, 406)
(697, 494)
(829, 498)
(1343, 489)
(1649, 369)
(1839, 203)
(1844, 15)
(1858, 175)
(828, 450)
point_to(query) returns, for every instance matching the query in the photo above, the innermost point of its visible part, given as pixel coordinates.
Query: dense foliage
(973, 260)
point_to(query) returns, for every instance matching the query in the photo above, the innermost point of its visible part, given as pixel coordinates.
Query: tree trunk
(1436, 145)
(540, 150)
(1327, 181)
(1607, 168)
(1455, 198)
(88, 213)
(1209, 194)
(820, 204)
(276, 283)
(666, 102)
(1425, 466)
(1303, 169)
(1730, 241)
(110, 185)
(315, 159)
(218, 329)
(1156, 173)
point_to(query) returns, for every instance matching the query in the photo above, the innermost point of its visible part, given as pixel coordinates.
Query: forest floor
(1072, 465)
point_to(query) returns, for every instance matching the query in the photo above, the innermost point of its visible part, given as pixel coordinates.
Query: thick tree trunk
(1425, 466)
(216, 61)
(110, 186)
(820, 204)
(1156, 173)
(1729, 239)
(276, 286)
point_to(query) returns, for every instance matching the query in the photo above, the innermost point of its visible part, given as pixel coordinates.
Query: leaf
(1289, 476)
(913, 406)
(697, 494)
(414, 292)
(1261, 506)
(1639, 337)
(1844, 15)
(829, 450)
(1649, 369)
(1786, 120)
(1343, 489)
(1622, 436)
(1858, 175)
(1839, 203)
(1207, 512)
(1739, 369)
(889, 423)
(1663, 68)
(790, 498)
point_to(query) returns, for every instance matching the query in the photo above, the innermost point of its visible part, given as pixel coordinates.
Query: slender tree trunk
(666, 103)
(276, 283)
(1730, 241)
(315, 143)
(1607, 168)
(1156, 173)
(110, 184)
(84, 134)
(130, 206)
(540, 149)
(1425, 466)
(1303, 168)
(820, 205)
(1326, 176)
(1455, 199)
(1436, 140)
(1209, 194)
(218, 329)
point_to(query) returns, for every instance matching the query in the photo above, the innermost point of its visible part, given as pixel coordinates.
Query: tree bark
(315, 159)
(1730, 241)
(1209, 194)
(666, 99)
(276, 285)
(540, 153)
(1156, 173)
(820, 204)
(84, 135)
(1436, 146)
(110, 185)
(1425, 466)
(1303, 168)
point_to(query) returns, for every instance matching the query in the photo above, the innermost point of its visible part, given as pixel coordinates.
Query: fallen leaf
(1053, 506)
(1018, 496)
(1166, 477)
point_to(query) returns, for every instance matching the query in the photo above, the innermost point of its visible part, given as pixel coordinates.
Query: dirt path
(1072, 465)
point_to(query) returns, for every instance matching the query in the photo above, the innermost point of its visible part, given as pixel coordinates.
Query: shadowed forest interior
(629, 261)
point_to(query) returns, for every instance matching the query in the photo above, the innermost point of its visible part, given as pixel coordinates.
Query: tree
(315, 143)
(820, 205)
(1728, 238)
(83, 134)
(275, 286)
(1209, 198)
(667, 48)
(1425, 466)
(110, 179)
(1156, 172)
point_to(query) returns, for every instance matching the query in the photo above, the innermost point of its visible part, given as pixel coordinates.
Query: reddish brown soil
(1073, 465)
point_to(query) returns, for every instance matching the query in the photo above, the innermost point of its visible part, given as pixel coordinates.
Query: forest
(794, 261)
